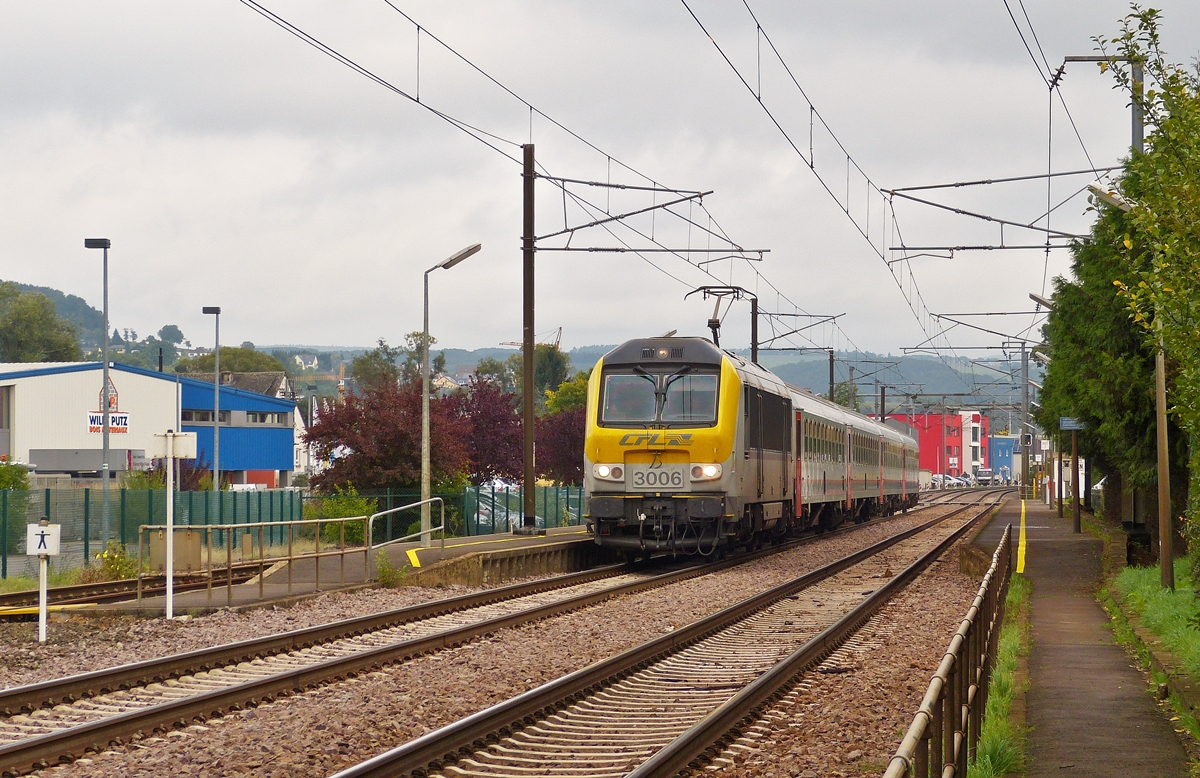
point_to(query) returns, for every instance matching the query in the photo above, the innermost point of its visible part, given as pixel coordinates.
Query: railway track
(117, 591)
(652, 710)
(125, 589)
(58, 720)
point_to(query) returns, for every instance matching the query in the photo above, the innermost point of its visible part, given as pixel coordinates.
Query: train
(689, 449)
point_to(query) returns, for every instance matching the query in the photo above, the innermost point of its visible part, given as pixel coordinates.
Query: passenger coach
(690, 449)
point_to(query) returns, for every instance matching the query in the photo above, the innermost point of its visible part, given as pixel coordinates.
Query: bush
(14, 479)
(344, 503)
(385, 573)
(112, 564)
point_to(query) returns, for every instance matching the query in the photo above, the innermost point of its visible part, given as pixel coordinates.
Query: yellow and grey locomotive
(690, 449)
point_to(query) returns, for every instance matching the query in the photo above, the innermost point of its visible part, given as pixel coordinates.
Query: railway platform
(474, 560)
(1088, 710)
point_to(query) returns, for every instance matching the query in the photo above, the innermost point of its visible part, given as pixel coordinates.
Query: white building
(50, 415)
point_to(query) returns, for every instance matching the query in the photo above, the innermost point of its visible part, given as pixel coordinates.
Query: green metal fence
(80, 513)
(489, 509)
(477, 510)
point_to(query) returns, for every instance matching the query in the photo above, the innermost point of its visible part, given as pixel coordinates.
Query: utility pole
(1026, 451)
(754, 330)
(1165, 553)
(529, 479)
(830, 375)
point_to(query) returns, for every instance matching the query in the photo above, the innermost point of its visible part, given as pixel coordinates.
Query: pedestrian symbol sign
(42, 540)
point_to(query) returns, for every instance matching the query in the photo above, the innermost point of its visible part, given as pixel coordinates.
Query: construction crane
(557, 339)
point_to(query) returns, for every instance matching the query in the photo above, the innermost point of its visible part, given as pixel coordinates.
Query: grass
(20, 583)
(1001, 748)
(1169, 615)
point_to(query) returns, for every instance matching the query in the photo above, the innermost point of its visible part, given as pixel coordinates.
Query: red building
(951, 443)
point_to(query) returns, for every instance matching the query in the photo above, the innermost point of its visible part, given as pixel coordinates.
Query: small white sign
(184, 445)
(42, 541)
(1045, 444)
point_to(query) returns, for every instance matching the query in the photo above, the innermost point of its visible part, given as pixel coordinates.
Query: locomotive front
(661, 428)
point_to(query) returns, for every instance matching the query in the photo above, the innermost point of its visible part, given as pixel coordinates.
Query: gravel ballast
(332, 727)
(849, 722)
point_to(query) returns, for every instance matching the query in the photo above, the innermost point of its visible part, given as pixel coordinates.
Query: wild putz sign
(117, 422)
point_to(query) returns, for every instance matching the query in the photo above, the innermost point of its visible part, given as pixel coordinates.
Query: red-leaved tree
(495, 450)
(560, 446)
(375, 439)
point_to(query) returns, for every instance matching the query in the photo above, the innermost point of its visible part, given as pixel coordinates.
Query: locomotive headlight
(706, 472)
(608, 472)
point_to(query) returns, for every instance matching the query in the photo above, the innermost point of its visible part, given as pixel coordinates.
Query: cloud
(232, 164)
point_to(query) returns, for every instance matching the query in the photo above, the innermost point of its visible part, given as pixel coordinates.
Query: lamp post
(105, 521)
(215, 311)
(447, 263)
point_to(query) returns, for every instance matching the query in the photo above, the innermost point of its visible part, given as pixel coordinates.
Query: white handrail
(371, 526)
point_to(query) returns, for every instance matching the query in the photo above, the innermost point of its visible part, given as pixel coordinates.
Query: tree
(490, 369)
(560, 446)
(233, 360)
(171, 334)
(551, 366)
(31, 330)
(845, 394)
(377, 365)
(414, 357)
(569, 395)
(374, 439)
(495, 437)
(1160, 243)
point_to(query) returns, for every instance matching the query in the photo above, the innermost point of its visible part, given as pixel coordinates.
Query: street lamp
(215, 311)
(447, 263)
(105, 524)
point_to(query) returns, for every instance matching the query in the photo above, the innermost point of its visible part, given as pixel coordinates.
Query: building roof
(14, 370)
(272, 383)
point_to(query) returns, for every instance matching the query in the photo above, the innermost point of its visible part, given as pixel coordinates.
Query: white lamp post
(447, 263)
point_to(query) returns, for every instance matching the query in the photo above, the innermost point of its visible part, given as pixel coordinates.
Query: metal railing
(945, 732)
(222, 535)
(371, 526)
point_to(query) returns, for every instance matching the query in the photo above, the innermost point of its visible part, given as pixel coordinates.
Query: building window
(202, 417)
(974, 434)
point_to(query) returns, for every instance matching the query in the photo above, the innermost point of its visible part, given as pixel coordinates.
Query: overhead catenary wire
(915, 302)
(501, 144)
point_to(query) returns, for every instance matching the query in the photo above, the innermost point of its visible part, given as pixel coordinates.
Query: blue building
(257, 442)
(1000, 454)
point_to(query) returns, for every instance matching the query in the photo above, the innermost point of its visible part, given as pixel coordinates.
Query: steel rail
(67, 689)
(68, 743)
(715, 727)
(472, 732)
(70, 688)
(109, 591)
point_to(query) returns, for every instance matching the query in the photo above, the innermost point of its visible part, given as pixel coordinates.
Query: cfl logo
(656, 439)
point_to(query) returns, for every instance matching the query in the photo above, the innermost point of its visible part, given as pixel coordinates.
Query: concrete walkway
(1088, 709)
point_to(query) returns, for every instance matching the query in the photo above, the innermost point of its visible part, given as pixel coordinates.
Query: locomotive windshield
(681, 398)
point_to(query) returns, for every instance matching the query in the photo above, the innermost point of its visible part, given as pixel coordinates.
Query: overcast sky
(232, 164)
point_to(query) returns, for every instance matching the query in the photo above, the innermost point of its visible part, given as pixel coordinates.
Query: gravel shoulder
(335, 726)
